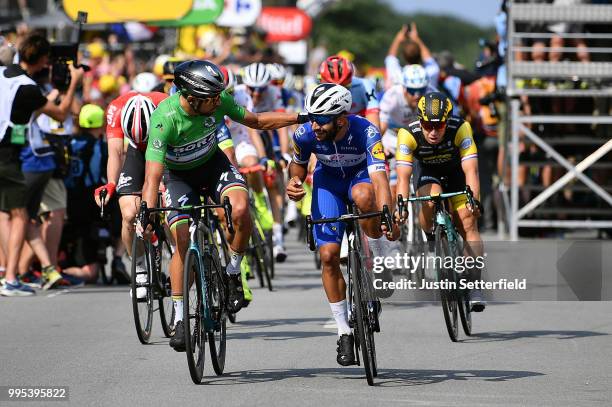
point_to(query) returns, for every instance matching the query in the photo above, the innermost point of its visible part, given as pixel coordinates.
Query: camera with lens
(62, 53)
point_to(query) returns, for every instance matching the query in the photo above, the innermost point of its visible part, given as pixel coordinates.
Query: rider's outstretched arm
(269, 120)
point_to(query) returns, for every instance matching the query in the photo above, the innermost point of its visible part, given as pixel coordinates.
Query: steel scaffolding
(596, 72)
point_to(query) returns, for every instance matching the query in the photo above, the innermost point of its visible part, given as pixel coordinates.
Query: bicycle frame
(195, 215)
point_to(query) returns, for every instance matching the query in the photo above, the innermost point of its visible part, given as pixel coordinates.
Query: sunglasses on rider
(321, 119)
(429, 126)
(416, 91)
(257, 89)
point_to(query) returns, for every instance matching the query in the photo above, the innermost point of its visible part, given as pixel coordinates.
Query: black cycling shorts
(451, 178)
(213, 179)
(132, 174)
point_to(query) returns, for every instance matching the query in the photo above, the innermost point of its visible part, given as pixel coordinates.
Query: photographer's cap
(91, 117)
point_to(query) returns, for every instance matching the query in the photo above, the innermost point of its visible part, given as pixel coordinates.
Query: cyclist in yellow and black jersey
(444, 148)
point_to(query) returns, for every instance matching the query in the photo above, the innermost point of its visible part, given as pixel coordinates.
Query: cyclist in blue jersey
(338, 70)
(350, 168)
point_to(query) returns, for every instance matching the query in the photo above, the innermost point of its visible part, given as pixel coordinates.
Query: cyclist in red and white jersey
(128, 118)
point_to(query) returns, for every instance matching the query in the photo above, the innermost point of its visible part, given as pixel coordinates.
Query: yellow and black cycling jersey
(456, 146)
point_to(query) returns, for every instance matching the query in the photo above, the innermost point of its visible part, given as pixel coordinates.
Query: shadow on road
(265, 323)
(512, 335)
(278, 335)
(386, 377)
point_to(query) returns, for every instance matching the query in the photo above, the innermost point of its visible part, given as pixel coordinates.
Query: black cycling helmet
(434, 107)
(201, 79)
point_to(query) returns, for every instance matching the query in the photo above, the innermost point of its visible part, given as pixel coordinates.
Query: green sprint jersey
(183, 142)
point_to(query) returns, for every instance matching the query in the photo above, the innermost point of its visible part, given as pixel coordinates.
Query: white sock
(378, 245)
(178, 310)
(277, 234)
(233, 267)
(340, 314)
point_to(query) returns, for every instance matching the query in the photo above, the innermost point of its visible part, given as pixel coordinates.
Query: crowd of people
(57, 144)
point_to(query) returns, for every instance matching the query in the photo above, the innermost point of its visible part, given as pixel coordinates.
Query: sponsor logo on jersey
(404, 149)
(202, 144)
(466, 143)
(371, 131)
(300, 131)
(123, 180)
(378, 151)
(110, 114)
(158, 144)
(209, 121)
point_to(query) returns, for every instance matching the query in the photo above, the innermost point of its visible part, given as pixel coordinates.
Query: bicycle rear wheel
(193, 317)
(258, 257)
(448, 296)
(216, 301)
(364, 339)
(166, 308)
(143, 307)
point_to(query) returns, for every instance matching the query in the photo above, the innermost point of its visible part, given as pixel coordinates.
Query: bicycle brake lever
(103, 194)
(386, 218)
(401, 206)
(309, 237)
(227, 207)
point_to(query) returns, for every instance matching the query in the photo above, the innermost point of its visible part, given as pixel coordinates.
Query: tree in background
(367, 27)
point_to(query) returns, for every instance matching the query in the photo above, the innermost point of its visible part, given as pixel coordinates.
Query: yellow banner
(117, 11)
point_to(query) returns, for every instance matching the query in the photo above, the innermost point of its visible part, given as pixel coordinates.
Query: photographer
(21, 100)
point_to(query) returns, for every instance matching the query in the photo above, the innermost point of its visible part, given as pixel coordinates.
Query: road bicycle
(205, 289)
(448, 243)
(156, 254)
(363, 303)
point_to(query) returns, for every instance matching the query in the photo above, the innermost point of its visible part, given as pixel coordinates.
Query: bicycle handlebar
(385, 219)
(226, 205)
(402, 202)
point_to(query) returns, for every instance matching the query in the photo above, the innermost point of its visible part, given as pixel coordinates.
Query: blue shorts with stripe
(330, 197)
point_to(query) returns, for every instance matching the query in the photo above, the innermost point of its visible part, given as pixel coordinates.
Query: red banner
(284, 23)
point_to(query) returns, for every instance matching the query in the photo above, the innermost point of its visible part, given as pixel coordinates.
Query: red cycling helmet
(336, 69)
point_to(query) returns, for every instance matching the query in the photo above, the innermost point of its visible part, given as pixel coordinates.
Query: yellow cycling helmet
(96, 50)
(91, 117)
(108, 83)
(434, 107)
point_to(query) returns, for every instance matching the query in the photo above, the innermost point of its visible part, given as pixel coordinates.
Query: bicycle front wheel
(364, 339)
(448, 295)
(217, 299)
(193, 309)
(142, 307)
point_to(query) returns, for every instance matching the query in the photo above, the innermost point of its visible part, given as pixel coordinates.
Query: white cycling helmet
(329, 99)
(144, 82)
(277, 71)
(414, 77)
(256, 75)
(136, 119)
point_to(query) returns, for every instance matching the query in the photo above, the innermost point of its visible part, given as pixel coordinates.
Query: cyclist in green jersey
(182, 148)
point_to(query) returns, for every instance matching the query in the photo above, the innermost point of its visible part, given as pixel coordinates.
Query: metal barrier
(600, 74)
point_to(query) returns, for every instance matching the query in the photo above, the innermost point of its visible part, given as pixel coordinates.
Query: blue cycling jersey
(364, 96)
(360, 148)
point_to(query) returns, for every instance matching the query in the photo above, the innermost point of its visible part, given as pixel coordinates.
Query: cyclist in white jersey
(267, 98)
